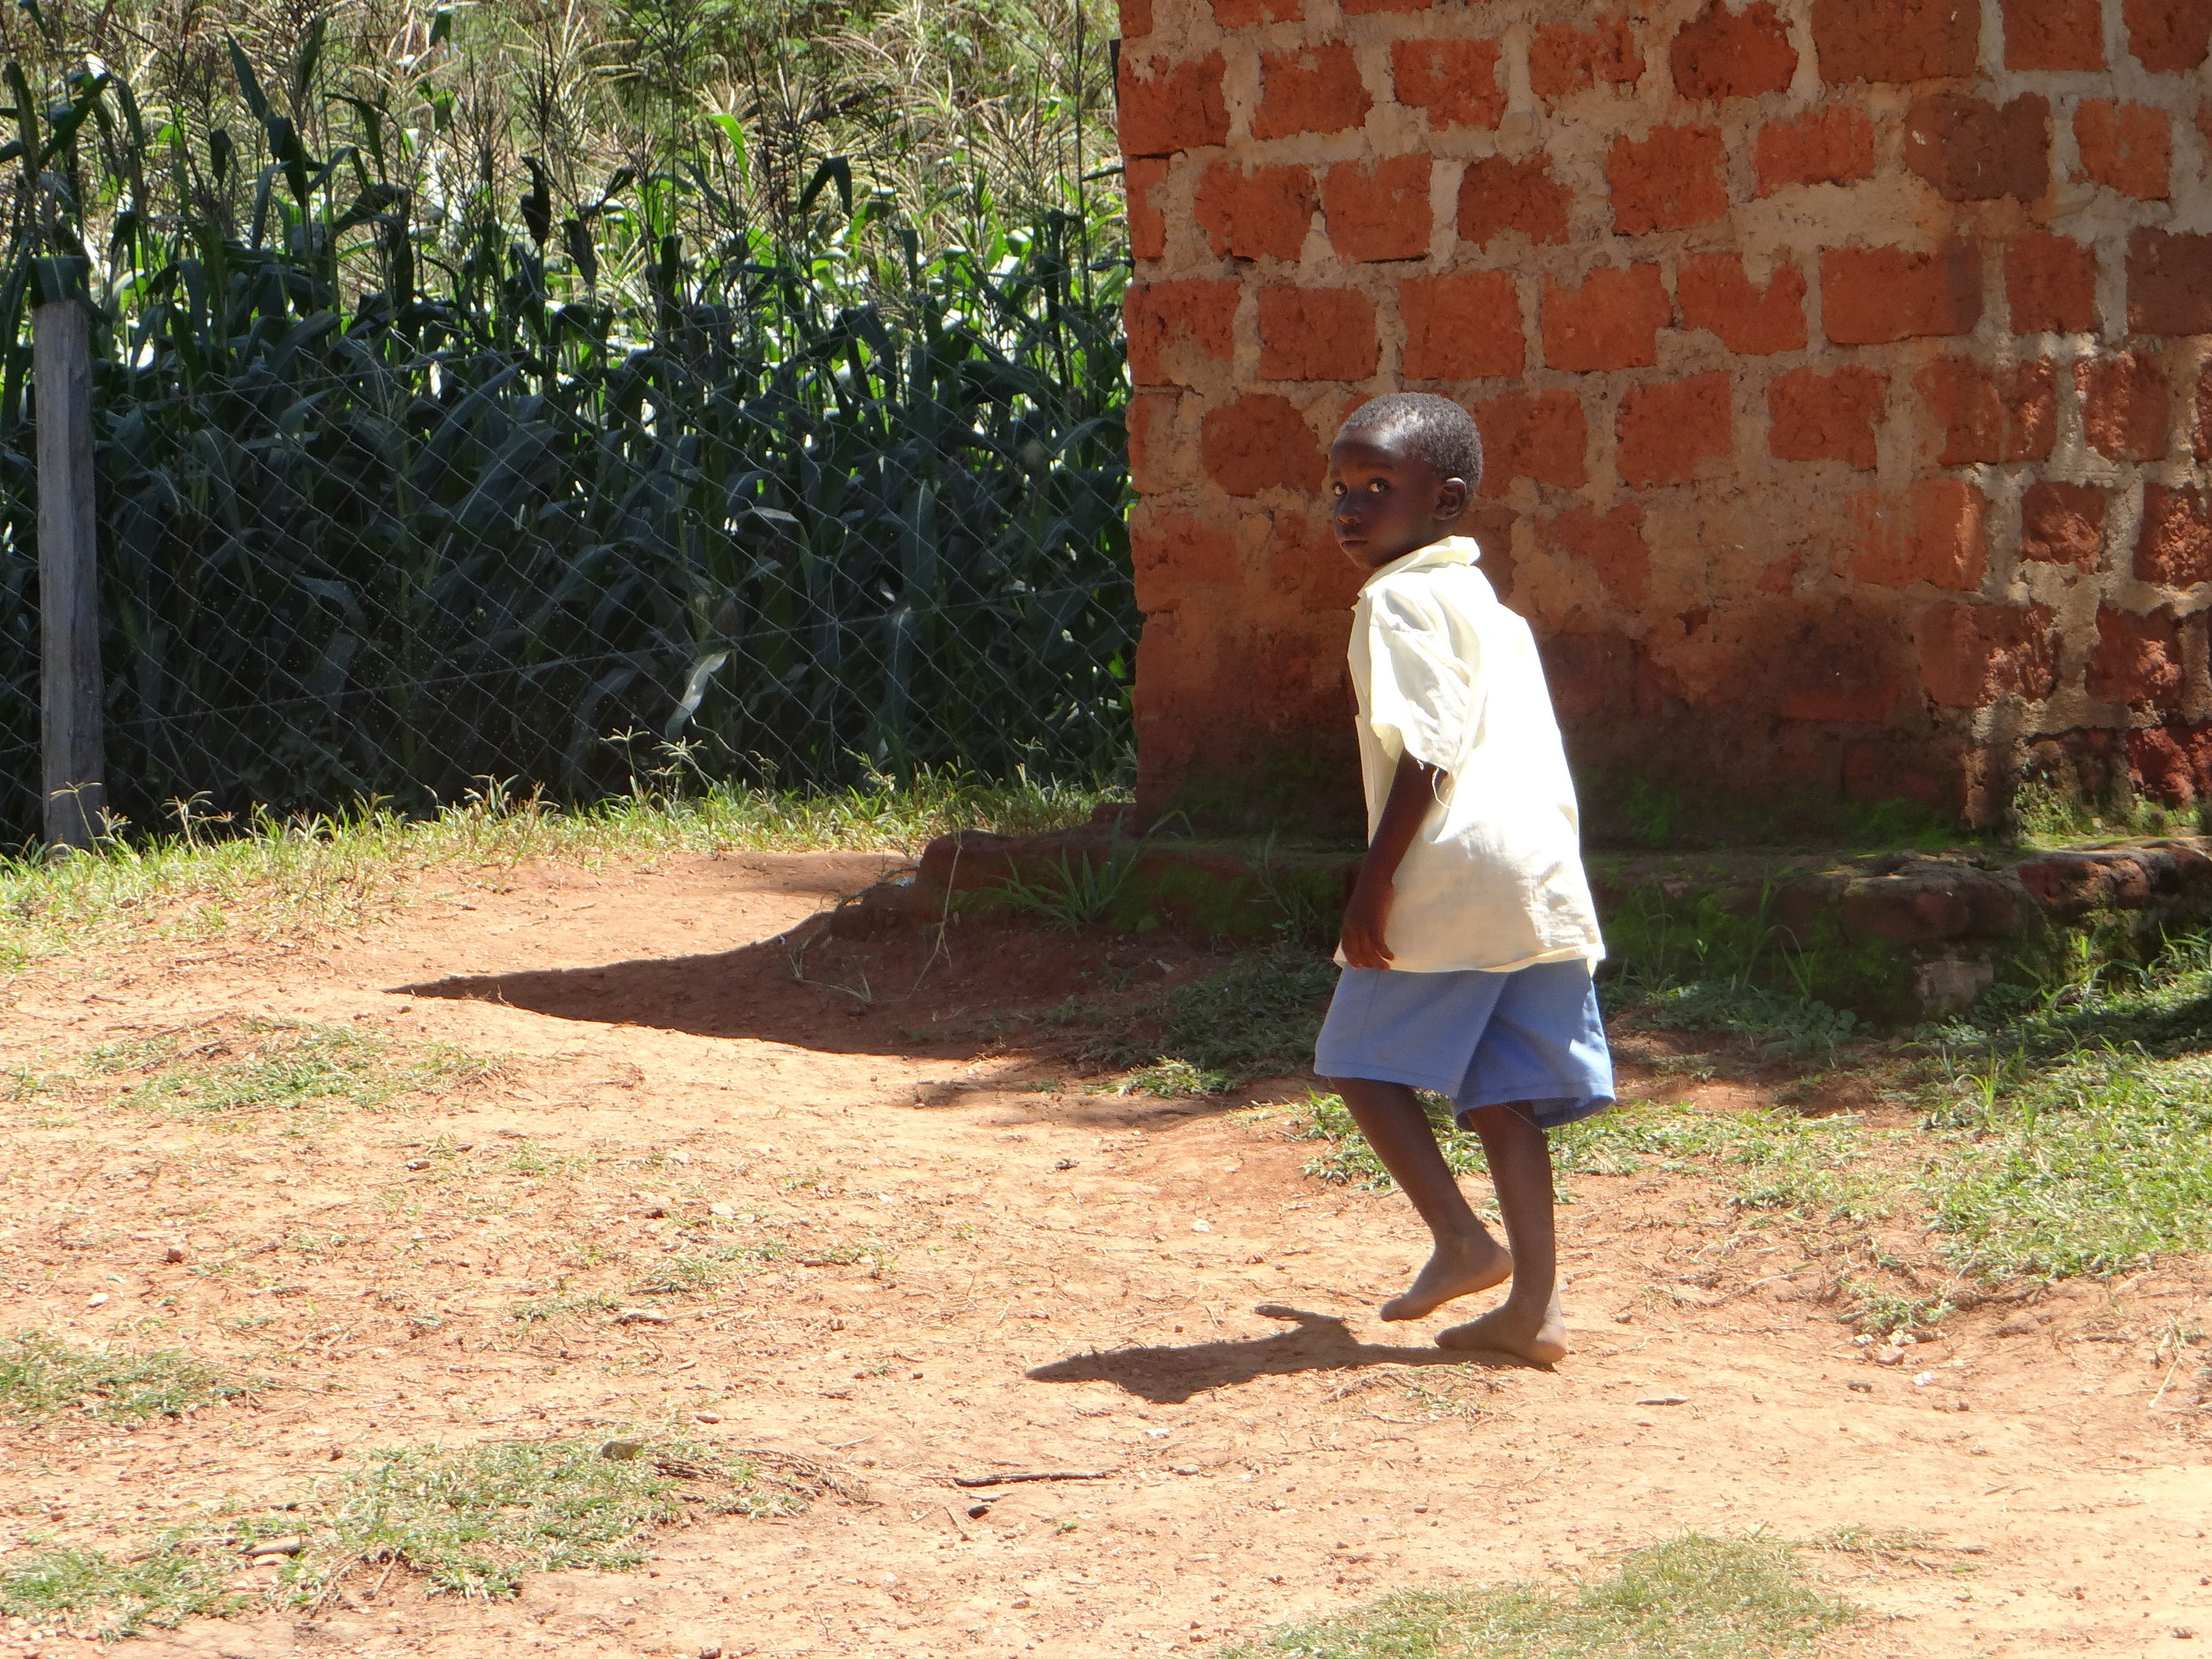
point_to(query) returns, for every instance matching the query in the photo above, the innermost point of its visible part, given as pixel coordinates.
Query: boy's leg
(1467, 1258)
(1528, 1322)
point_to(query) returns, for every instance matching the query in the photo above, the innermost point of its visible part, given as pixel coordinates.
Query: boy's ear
(1454, 497)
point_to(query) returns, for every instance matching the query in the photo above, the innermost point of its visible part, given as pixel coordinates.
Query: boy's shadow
(1320, 1341)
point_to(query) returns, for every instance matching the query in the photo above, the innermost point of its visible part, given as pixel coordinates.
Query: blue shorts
(1477, 1038)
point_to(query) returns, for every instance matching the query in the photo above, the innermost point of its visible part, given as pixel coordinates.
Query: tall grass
(403, 484)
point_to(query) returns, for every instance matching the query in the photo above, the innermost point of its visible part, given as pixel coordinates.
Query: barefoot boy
(1469, 934)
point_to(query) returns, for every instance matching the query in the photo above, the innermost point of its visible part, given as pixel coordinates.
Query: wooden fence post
(68, 575)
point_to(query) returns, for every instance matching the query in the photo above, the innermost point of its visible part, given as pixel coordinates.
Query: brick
(2167, 764)
(1894, 772)
(2007, 413)
(1454, 81)
(1871, 297)
(2174, 549)
(1831, 146)
(1136, 19)
(1176, 327)
(2062, 524)
(1674, 178)
(2137, 663)
(2124, 405)
(2168, 36)
(1936, 532)
(1379, 209)
(1154, 464)
(1316, 90)
(1311, 333)
(1168, 105)
(1461, 327)
(2125, 147)
(1497, 194)
(1491, 525)
(1973, 151)
(1592, 673)
(1611, 543)
(1723, 54)
(1838, 660)
(1541, 435)
(1302, 562)
(1896, 39)
(1973, 655)
(1147, 225)
(1753, 322)
(2050, 285)
(2201, 438)
(1244, 14)
(1563, 60)
(1171, 553)
(1815, 417)
(1260, 442)
(1364, 8)
(2053, 35)
(1256, 213)
(2170, 283)
(1668, 431)
(1610, 322)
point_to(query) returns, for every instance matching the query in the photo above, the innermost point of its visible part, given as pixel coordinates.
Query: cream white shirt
(1446, 673)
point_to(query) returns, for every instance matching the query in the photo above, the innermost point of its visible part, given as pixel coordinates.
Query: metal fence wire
(385, 556)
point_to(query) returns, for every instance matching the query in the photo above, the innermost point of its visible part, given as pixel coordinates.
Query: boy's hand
(1415, 789)
(1366, 920)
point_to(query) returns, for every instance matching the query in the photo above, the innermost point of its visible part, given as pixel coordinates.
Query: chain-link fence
(384, 557)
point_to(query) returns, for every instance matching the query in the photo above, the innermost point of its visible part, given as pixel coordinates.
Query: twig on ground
(1008, 1480)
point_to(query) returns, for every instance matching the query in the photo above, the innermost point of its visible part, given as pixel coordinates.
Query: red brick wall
(1842, 366)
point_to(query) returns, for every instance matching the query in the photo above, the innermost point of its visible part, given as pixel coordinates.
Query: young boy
(1468, 937)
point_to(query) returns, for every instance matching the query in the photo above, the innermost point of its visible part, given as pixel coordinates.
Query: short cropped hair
(1435, 428)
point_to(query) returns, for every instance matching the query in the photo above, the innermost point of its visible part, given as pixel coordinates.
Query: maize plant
(382, 513)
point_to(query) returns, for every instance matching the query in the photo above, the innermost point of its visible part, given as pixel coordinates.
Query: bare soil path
(966, 1266)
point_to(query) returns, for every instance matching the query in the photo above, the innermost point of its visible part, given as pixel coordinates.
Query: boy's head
(1402, 472)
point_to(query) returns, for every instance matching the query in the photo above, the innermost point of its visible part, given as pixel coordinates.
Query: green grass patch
(1256, 1017)
(470, 1521)
(1693, 1598)
(270, 1065)
(41, 1377)
(1775, 1161)
(560, 1305)
(2073, 1123)
(180, 1575)
(278, 875)
(1777, 1025)
(2091, 1164)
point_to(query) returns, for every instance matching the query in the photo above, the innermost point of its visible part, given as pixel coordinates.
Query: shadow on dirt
(915, 992)
(1322, 1341)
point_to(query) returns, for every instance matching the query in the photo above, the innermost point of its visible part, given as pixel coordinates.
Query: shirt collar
(1452, 549)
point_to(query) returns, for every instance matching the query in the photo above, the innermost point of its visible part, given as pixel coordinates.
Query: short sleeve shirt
(1444, 672)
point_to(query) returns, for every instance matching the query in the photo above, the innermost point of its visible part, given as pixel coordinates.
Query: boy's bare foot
(1458, 1269)
(1509, 1329)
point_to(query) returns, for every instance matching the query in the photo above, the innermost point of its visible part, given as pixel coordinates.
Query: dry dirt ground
(970, 1266)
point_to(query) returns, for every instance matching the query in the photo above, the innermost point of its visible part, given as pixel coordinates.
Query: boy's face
(1386, 500)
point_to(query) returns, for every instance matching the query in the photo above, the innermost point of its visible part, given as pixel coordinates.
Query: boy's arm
(1413, 791)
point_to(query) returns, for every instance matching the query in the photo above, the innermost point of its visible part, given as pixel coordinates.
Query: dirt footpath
(968, 1267)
